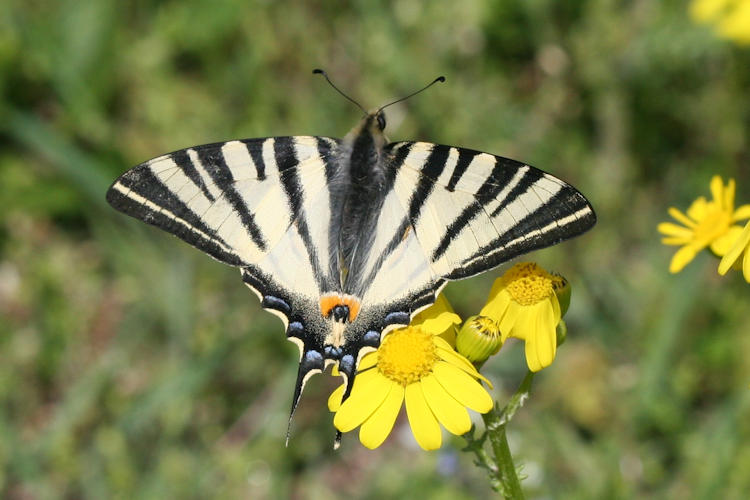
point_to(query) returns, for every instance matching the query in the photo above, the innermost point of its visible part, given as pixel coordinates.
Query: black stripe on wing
(214, 163)
(286, 161)
(465, 156)
(256, 153)
(431, 170)
(182, 159)
(140, 194)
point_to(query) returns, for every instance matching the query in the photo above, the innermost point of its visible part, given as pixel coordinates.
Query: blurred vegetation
(132, 366)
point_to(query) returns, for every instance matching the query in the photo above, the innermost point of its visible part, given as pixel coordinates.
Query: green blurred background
(132, 366)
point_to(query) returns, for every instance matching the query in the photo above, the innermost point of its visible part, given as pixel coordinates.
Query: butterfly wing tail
(301, 328)
(312, 362)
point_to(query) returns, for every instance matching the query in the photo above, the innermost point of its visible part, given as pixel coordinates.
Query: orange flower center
(407, 355)
(529, 284)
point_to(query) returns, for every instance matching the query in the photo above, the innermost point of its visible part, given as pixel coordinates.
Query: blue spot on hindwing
(312, 359)
(346, 364)
(271, 302)
(295, 329)
(332, 352)
(398, 317)
(371, 338)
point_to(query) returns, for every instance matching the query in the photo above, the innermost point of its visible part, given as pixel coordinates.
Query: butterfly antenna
(440, 79)
(318, 71)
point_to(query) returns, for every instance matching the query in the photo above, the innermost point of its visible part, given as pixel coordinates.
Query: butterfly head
(373, 122)
(366, 140)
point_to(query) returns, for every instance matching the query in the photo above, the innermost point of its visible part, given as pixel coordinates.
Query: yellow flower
(742, 244)
(707, 224)
(524, 304)
(731, 18)
(413, 364)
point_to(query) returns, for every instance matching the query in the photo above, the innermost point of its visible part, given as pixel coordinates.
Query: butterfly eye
(381, 121)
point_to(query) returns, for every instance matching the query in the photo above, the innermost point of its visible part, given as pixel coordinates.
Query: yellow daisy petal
(717, 189)
(683, 256)
(448, 411)
(422, 421)
(721, 245)
(746, 266)
(497, 303)
(376, 428)
(449, 336)
(556, 313)
(524, 323)
(369, 391)
(440, 323)
(462, 387)
(729, 196)
(454, 358)
(368, 361)
(507, 323)
(680, 217)
(671, 229)
(442, 343)
(532, 358)
(440, 305)
(741, 213)
(740, 244)
(541, 344)
(334, 400)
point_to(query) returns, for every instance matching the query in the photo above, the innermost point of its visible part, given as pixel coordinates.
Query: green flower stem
(507, 478)
(495, 423)
(499, 465)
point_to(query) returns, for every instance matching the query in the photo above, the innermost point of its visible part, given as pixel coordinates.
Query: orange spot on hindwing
(354, 305)
(331, 300)
(327, 301)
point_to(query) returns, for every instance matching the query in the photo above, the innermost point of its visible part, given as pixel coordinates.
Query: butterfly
(347, 239)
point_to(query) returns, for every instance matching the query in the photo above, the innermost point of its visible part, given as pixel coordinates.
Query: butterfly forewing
(246, 203)
(453, 213)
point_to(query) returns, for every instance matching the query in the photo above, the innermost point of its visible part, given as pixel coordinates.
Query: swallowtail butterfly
(346, 239)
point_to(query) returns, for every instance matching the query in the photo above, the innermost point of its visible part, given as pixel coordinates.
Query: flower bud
(561, 332)
(561, 286)
(478, 339)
